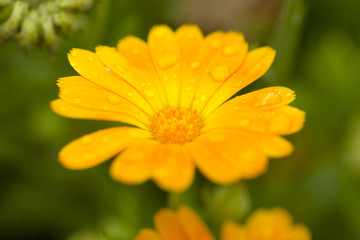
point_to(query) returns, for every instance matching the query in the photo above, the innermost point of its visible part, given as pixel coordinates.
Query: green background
(318, 56)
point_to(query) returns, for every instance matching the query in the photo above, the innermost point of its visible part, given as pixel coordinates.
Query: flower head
(39, 21)
(173, 89)
(275, 224)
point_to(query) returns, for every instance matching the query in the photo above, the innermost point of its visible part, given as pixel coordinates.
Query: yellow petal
(231, 50)
(173, 169)
(165, 54)
(225, 157)
(97, 147)
(88, 65)
(133, 166)
(169, 226)
(147, 234)
(233, 231)
(193, 225)
(269, 224)
(81, 92)
(265, 115)
(256, 64)
(149, 88)
(194, 57)
(66, 109)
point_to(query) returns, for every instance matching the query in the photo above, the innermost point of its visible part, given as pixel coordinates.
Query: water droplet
(91, 58)
(130, 94)
(120, 68)
(143, 84)
(216, 43)
(243, 101)
(113, 99)
(64, 109)
(238, 84)
(88, 156)
(167, 61)
(149, 93)
(106, 139)
(86, 139)
(74, 53)
(195, 64)
(203, 98)
(244, 123)
(236, 108)
(220, 73)
(73, 63)
(229, 51)
(107, 69)
(88, 76)
(192, 80)
(65, 92)
(105, 107)
(77, 100)
(166, 78)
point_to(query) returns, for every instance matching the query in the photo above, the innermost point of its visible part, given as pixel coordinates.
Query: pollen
(176, 125)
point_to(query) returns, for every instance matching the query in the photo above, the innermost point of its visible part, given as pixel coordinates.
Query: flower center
(176, 125)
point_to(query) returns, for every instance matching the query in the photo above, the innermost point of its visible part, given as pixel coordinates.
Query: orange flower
(173, 90)
(184, 224)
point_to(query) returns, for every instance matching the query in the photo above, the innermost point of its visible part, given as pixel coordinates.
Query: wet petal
(82, 93)
(225, 156)
(133, 166)
(165, 55)
(193, 225)
(95, 148)
(230, 51)
(256, 64)
(147, 86)
(88, 65)
(173, 169)
(262, 111)
(66, 109)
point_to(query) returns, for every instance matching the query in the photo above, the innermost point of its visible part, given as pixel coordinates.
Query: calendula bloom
(173, 89)
(275, 224)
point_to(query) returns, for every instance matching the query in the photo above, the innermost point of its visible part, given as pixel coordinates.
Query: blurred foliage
(318, 55)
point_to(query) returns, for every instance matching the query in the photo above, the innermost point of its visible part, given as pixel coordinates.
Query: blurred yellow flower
(275, 224)
(173, 90)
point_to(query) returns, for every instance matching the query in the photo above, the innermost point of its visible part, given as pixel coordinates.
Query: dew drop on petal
(113, 99)
(167, 61)
(86, 139)
(229, 51)
(107, 69)
(65, 92)
(149, 93)
(203, 98)
(91, 58)
(73, 63)
(195, 64)
(74, 53)
(130, 94)
(106, 139)
(77, 100)
(244, 123)
(220, 73)
(105, 107)
(216, 43)
(236, 108)
(121, 69)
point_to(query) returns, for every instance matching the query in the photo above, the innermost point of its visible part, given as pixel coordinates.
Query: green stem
(174, 200)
